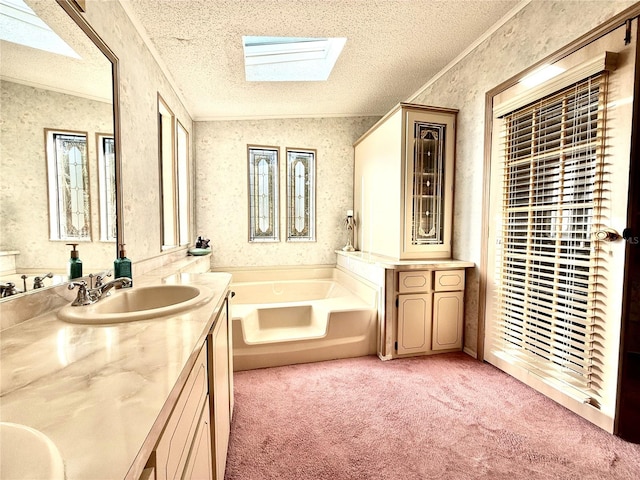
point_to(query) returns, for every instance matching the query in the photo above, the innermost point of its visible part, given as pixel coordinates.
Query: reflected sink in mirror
(138, 303)
(26, 453)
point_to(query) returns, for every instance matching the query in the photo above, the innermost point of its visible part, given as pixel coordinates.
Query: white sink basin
(26, 453)
(138, 303)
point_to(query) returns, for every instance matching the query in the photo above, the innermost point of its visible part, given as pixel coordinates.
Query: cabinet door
(220, 391)
(174, 444)
(414, 323)
(230, 355)
(430, 141)
(447, 320)
(199, 463)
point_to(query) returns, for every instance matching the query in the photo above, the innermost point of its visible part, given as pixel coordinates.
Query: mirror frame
(75, 12)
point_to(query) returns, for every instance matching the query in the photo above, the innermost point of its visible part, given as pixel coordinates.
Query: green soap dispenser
(122, 265)
(74, 269)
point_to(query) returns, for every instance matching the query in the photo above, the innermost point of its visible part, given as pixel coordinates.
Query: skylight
(290, 59)
(19, 24)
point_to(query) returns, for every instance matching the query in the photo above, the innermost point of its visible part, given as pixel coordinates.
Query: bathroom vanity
(428, 307)
(403, 201)
(195, 437)
(149, 398)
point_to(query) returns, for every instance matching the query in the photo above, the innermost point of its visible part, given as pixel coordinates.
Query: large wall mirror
(58, 143)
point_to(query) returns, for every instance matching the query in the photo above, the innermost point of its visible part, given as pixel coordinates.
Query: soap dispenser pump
(74, 269)
(122, 265)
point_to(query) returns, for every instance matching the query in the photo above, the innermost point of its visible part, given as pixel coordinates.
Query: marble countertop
(100, 392)
(389, 262)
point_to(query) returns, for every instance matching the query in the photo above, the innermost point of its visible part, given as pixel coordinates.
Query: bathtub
(297, 321)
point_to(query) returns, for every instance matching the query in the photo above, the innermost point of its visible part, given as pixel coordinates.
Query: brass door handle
(606, 235)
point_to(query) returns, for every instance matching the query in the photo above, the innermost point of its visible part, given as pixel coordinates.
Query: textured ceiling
(393, 48)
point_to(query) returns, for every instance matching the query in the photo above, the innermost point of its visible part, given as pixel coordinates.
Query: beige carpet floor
(438, 417)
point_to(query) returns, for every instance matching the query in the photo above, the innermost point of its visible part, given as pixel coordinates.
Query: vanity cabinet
(199, 465)
(414, 305)
(194, 441)
(176, 442)
(429, 311)
(220, 378)
(448, 310)
(403, 184)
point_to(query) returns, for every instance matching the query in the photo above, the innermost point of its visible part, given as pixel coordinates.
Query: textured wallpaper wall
(536, 31)
(222, 194)
(24, 208)
(141, 80)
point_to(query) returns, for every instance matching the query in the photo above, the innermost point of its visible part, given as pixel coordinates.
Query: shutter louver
(547, 261)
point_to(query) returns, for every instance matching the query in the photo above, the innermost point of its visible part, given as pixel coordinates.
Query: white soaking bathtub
(297, 321)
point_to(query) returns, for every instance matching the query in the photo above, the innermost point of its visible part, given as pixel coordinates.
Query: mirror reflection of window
(68, 179)
(166, 129)
(183, 184)
(107, 187)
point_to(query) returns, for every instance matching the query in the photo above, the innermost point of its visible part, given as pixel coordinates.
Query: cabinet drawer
(449, 280)
(175, 442)
(414, 282)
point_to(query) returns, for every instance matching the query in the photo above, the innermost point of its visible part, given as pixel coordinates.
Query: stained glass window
(301, 195)
(263, 194)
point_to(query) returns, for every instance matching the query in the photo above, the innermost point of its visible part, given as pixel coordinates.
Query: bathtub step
(284, 323)
(284, 334)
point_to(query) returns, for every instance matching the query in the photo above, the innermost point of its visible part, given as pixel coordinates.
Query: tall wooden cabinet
(403, 185)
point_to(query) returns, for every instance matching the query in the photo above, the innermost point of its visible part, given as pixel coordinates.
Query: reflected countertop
(97, 391)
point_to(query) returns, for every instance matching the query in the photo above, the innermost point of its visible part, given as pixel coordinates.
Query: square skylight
(20, 24)
(290, 59)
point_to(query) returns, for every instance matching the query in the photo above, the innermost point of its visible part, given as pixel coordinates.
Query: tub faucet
(7, 289)
(90, 296)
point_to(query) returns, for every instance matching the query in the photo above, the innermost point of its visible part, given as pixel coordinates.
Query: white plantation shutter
(548, 264)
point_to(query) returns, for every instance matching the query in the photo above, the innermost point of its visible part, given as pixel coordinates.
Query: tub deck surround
(281, 322)
(8, 261)
(103, 393)
(394, 263)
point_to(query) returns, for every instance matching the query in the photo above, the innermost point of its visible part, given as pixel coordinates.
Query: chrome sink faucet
(103, 290)
(83, 297)
(99, 278)
(90, 296)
